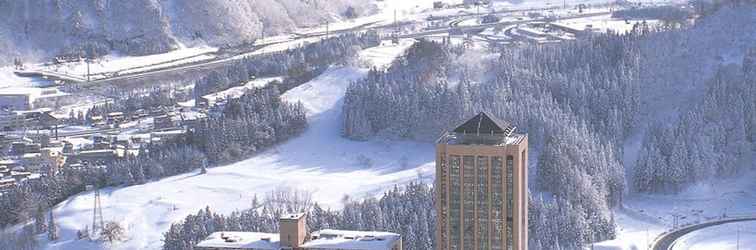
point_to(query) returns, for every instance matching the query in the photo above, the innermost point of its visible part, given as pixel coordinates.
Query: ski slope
(320, 160)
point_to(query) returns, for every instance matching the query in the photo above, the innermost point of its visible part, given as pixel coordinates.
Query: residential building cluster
(36, 143)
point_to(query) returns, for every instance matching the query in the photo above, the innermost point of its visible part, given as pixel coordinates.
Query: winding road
(667, 240)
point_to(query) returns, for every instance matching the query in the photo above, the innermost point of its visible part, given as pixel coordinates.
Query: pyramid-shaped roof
(485, 123)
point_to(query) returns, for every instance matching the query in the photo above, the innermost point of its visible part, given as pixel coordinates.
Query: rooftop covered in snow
(241, 240)
(352, 240)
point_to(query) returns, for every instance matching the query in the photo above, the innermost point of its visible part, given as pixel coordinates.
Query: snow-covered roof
(20, 91)
(169, 132)
(33, 92)
(292, 216)
(352, 240)
(31, 155)
(242, 240)
(192, 115)
(236, 92)
(8, 162)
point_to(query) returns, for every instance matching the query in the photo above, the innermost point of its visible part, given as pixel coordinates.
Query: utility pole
(737, 240)
(328, 22)
(262, 32)
(396, 25)
(87, 60)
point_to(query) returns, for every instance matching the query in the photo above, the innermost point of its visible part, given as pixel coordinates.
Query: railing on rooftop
(473, 139)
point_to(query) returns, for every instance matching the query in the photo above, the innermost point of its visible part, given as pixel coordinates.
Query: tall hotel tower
(481, 186)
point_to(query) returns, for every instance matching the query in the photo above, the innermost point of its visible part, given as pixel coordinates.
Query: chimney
(292, 230)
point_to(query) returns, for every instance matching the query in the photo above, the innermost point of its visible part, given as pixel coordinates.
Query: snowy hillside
(320, 160)
(680, 66)
(630, 135)
(37, 29)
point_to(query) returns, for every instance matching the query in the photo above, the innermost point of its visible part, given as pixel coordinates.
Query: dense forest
(297, 65)
(406, 210)
(713, 138)
(573, 126)
(580, 102)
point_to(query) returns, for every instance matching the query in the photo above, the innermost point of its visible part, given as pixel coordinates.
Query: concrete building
(27, 98)
(38, 119)
(48, 161)
(15, 100)
(7, 184)
(294, 235)
(330, 239)
(95, 157)
(239, 241)
(163, 122)
(481, 186)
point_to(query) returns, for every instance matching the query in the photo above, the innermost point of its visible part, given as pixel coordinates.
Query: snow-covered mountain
(33, 29)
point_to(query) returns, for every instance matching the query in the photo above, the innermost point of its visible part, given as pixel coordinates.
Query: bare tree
(113, 231)
(291, 200)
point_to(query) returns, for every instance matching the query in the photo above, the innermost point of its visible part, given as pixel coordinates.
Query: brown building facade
(293, 230)
(481, 186)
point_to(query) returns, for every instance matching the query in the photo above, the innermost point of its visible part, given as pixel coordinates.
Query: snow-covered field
(603, 23)
(320, 160)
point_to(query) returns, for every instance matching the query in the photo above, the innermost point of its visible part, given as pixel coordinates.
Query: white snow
(352, 240)
(78, 143)
(242, 240)
(603, 23)
(696, 204)
(320, 160)
(110, 64)
(704, 44)
(9, 79)
(238, 91)
(730, 236)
